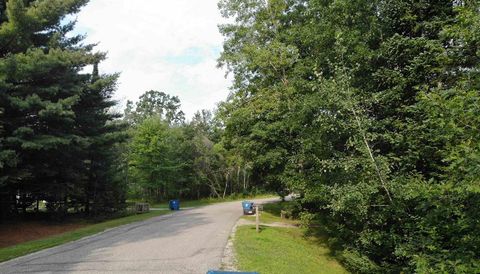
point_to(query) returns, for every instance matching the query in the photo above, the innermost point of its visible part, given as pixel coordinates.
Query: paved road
(189, 241)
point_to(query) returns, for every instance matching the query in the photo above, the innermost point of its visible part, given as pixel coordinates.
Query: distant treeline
(370, 110)
(168, 157)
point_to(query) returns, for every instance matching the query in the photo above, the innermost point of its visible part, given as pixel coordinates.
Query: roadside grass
(282, 249)
(11, 252)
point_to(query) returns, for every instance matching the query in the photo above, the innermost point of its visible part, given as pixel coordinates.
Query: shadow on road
(92, 251)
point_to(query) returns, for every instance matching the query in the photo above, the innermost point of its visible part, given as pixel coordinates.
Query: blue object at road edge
(248, 207)
(174, 204)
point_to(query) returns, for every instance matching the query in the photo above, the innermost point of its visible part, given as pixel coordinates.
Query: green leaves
(368, 109)
(58, 134)
(27, 24)
(155, 103)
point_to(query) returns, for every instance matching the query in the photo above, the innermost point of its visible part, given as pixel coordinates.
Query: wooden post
(257, 217)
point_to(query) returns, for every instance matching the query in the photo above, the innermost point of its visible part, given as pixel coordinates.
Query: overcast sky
(165, 45)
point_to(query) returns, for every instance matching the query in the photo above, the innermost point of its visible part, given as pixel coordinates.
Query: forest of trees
(168, 157)
(368, 109)
(64, 148)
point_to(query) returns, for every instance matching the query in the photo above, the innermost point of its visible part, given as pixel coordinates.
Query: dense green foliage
(369, 110)
(170, 158)
(57, 134)
(155, 104)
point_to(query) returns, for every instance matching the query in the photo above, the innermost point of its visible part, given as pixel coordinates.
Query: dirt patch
(13, 234)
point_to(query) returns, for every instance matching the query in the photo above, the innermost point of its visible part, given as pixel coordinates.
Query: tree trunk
(213, 188)
(226, 185)
(370, 154)
(244, 179)
(238, 177)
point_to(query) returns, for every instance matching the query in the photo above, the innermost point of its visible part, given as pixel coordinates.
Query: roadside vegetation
(66, 150)
(278, 250)
(282, 248)
(367, 109)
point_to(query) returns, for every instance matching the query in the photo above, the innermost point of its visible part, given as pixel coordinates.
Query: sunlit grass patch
(282, 250)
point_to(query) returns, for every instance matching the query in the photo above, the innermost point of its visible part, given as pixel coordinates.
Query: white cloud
(169, 46)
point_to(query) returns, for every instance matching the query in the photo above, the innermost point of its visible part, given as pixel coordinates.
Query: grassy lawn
(282, 249)
(11, 252)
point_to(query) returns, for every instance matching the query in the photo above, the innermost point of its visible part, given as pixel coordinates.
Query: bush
(358, 263)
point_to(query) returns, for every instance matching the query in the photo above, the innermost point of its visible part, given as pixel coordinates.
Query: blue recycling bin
(248, 208)
(174, 204)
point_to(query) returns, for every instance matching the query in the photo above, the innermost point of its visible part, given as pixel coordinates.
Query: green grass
(11, 252)
(282, 249)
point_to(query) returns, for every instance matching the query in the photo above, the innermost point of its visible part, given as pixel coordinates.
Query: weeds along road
(188, 241)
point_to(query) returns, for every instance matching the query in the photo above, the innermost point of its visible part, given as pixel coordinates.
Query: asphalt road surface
(188, 241)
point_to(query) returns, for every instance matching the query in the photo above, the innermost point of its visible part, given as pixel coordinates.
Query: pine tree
(102, 190)
(46, 100)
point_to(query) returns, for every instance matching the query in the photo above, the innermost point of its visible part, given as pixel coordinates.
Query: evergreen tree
(103, 191)
(45, 100)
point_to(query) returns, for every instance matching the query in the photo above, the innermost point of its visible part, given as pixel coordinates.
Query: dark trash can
(174, 204)
(248, 208)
